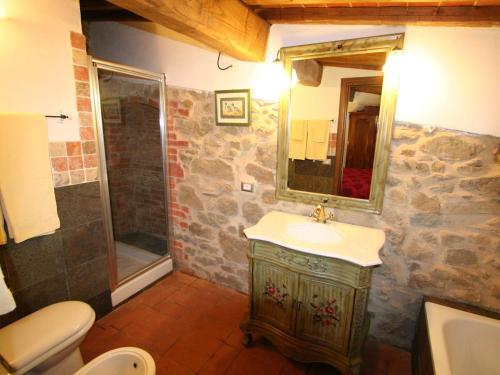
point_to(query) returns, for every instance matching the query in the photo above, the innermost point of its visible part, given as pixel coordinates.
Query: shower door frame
(94, 65)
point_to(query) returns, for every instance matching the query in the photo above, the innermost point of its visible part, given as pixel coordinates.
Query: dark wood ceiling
(240, 28)
(388, 12)
(101, 10)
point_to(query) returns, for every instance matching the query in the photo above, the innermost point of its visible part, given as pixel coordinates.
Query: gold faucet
(319, 214)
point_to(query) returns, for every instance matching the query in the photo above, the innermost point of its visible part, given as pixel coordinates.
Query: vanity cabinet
(311, 307)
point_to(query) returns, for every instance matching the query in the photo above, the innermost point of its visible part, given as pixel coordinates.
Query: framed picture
(232, 107)
(111, 111)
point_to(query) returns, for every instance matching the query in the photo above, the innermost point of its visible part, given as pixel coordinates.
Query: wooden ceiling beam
(363, 3)
(224, 25)
(437, 16)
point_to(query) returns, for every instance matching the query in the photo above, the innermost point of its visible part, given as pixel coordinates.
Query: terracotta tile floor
(191, 326)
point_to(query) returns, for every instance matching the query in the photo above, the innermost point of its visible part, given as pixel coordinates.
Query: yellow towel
(317, 139)
(298, 136)
(26, 189)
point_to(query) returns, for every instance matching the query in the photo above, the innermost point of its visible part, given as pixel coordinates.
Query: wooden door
(274, 290)
(348, 88)
(324, 312)
(361, 140)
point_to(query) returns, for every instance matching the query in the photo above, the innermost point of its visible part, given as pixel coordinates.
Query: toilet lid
(30, 337)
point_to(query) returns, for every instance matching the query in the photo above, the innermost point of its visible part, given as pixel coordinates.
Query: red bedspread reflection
(356, 183)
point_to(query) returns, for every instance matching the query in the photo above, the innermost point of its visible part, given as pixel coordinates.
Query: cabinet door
(273, 291)
(324, 312)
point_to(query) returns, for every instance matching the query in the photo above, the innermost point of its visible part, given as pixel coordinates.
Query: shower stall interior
(130, 124)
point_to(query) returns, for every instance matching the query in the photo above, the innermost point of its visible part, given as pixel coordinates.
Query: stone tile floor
(191, 326)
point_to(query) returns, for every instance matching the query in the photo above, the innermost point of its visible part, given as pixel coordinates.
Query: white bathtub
(462, 343)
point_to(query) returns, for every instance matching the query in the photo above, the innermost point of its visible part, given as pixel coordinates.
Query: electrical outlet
(247, 186)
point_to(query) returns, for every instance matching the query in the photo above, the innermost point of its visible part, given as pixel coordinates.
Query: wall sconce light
(3, 13)
(394, 61)
(393, 68)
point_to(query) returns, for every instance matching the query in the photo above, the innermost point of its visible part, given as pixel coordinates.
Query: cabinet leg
(247, 339)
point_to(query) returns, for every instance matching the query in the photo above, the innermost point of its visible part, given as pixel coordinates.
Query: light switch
(247, 186)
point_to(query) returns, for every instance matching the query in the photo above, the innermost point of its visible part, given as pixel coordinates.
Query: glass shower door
(131, 134)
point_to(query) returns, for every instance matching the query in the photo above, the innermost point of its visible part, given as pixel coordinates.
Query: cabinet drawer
(334, 269)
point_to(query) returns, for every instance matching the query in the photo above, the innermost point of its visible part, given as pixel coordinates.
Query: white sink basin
(313, 233)
(353, 243)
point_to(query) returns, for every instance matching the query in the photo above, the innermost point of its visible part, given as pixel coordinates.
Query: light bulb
(394, 62)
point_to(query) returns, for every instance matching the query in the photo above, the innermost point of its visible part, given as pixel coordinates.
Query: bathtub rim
(463, 310)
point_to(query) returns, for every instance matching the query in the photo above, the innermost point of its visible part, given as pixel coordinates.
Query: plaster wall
(36, 67)
(448, 78)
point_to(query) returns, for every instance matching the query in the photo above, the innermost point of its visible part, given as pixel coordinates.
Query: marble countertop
(352, 243)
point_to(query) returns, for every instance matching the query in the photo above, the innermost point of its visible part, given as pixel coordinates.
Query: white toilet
(46, 341)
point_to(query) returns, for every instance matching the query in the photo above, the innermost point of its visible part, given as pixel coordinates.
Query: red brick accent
(81, 73)
(83, 104)
(73, 148)
(178, 143)
(75, 162)
(85, 119)
(178, 213)
(183, 224)
(87, 133)
(60, 164)
(154, 103)
(183, 112)
(90, 161)
(77, 40)
(175, 170)
(89, 147)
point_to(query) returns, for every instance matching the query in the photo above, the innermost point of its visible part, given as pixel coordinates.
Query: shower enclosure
(130, 124)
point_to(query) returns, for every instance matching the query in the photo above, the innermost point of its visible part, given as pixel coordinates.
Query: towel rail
(61, 116)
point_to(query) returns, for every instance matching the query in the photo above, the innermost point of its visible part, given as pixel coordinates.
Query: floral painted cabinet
(273, 291)
(312, 308)
(324, 312)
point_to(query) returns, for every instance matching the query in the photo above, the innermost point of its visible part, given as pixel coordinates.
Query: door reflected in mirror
(335, 122)
(334, 108)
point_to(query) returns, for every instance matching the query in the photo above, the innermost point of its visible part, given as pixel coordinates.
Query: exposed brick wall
(75, 162)
(177, 213)
(134, 164)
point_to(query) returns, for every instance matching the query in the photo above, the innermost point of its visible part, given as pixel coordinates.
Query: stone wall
(440, 215)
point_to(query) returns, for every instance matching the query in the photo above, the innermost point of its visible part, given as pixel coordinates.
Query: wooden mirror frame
(375, 44)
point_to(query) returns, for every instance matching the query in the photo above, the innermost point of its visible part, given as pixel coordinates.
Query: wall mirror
(335, 122)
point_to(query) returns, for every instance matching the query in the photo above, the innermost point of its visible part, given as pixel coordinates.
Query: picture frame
(111, 111)
(232, 107)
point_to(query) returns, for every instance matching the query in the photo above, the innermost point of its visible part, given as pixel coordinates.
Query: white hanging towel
(27, 196)
(7, 303)
(317, 139)
(298, 137)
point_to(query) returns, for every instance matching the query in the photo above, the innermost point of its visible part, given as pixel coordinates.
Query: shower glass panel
(131, 135)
